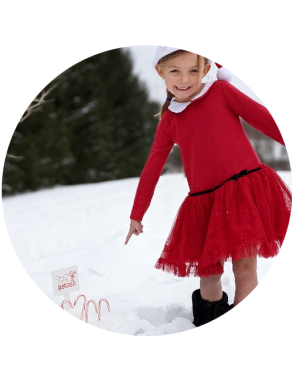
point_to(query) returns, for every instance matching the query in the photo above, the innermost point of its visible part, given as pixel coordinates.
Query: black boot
(205, 311)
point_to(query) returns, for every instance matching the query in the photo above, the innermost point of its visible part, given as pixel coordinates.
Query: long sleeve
(152, 170)
(252, 112)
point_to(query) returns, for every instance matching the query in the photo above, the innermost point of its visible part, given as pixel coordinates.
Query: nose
(184, 78)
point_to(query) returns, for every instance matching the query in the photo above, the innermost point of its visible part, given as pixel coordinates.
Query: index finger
(128, 237)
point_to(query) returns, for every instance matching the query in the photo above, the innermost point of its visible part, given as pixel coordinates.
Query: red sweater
(212, 141)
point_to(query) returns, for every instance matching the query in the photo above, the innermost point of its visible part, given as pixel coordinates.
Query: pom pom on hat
(222, 73)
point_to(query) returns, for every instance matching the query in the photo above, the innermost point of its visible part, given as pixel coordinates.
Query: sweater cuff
(136, 216)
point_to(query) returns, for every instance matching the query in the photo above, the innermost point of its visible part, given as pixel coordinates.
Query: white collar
(177, 107)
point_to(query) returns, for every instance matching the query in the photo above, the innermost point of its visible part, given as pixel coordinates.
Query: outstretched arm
(253, 113)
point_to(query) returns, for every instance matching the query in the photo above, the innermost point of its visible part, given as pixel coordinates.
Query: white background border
(45, 346)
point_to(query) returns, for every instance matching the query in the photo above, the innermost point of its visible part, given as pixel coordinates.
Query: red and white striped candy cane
(87, 309)
(68, 302)
(83, 312)
(108, 306)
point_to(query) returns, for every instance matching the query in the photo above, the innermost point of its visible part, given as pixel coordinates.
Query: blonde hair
(202, 61)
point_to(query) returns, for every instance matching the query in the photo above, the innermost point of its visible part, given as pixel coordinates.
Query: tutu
(244, 217)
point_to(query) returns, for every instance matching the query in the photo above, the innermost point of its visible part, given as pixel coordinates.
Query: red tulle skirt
(243, 218)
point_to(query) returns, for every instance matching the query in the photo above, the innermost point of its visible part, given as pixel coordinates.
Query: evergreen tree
(99, 126)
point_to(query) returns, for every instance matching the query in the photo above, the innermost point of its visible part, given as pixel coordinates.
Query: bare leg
(211, 288)
(245, 278)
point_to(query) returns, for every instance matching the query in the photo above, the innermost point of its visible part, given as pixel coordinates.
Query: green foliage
(99, 126)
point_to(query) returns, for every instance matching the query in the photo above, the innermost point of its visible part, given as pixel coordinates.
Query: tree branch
(37, 103)
(34, 106)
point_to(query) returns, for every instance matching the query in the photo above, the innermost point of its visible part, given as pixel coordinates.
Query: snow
(86, 226)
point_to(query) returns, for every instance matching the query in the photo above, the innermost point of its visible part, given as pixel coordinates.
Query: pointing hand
(135, 228)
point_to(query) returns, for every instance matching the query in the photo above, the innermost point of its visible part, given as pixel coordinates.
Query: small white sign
(65, 280)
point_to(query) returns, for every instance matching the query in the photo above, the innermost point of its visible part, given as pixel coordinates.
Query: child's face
(181, 75)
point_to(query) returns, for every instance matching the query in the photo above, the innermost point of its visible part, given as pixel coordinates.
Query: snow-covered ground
(86, 226)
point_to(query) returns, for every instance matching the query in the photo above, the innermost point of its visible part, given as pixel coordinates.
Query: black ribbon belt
(244, 172)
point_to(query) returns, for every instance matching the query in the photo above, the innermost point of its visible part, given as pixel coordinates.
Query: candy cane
(87, 309)
(64, 302)
(83, 312)
(108, 306)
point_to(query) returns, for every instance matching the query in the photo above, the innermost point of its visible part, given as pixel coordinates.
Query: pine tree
(99, 126)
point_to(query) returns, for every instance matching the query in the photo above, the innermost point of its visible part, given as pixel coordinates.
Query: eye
(194, 71)
(174, 71)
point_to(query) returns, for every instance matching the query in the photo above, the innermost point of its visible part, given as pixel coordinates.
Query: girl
(238, 208)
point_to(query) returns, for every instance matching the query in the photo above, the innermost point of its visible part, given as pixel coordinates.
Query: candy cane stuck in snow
(85, 308)
(67, 302)
(97, 308)
(108, 306)
(83, 312)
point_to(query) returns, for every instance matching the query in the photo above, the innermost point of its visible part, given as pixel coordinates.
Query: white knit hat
(161, 51)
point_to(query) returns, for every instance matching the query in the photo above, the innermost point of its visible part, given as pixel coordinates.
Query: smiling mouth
(182, 88)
